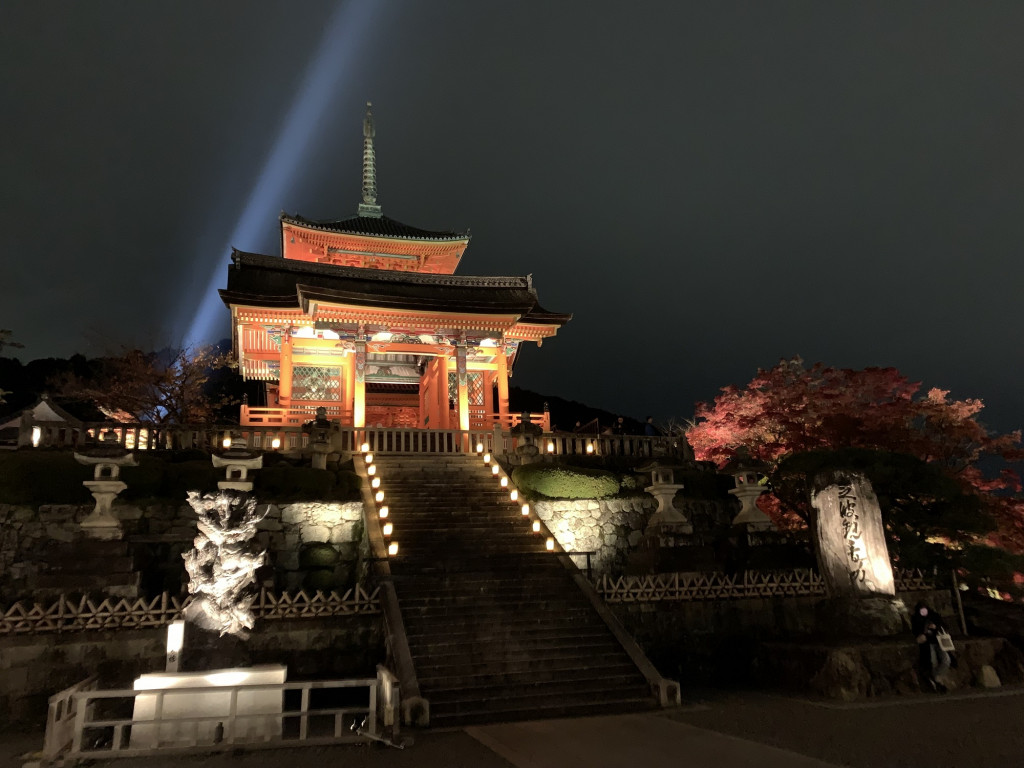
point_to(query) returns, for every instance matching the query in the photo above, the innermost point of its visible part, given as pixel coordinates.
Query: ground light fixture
(536, 526)
(393, 548)
(382, 512)
(504, 482)
(365, 447)
(551, 447)
(479, 447)
(371, 470)
(513, 494)
(379, 497)
(368, 458)
(590, 447)
(226, 442)
(275, 444)
(387, 529)
(526, 510)
(550, 544)
(375, 483)
(495, 469)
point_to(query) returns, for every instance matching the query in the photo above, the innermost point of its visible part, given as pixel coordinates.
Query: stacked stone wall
(608, 527)
(27, 535)
(34, 667)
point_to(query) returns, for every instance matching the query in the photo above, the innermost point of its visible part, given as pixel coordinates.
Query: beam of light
(339, 50)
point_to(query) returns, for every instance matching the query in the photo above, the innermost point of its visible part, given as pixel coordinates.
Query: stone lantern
(663, 487)
(107, 460)
(526, 435)
(319, 430)
(747, 474)
(237, 461)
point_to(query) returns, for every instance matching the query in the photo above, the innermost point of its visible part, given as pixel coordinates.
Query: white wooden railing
(96, 735)
(800, 582)
(85, 614)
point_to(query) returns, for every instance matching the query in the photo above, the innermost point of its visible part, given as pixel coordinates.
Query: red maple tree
(791, 409)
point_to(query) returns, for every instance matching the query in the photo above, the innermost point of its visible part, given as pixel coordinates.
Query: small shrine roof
(271, 281)
(373, 226)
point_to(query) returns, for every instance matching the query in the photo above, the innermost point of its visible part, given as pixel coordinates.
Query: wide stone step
(425, 633)
(553, 659)
(537, 695)
(468, 687)
(511, 710)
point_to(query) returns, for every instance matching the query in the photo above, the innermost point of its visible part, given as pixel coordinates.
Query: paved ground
(973, 730)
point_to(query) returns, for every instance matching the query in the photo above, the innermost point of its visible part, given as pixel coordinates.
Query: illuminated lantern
(495, 469)
(368, 458)
(526, 509)
(487, 458)
(371, 470)
(393, 548)
(479, 447)
(275, 444)
(379, 497)
(536, 526)
(387, 529)
(513, 495)
(550, 544)
(365, 447)
(382, 512)
(504, 482)
(375, 483)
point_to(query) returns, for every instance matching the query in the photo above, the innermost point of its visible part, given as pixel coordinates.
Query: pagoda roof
(373, 226)
(272, 281)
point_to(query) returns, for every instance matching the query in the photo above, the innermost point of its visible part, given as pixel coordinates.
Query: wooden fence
(85, 614)
(800, 582)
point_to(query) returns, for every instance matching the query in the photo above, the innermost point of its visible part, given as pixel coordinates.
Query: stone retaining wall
(609, 527)
(33, 668)
(27, 535)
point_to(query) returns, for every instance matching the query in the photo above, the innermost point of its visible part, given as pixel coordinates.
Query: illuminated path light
(341, 49)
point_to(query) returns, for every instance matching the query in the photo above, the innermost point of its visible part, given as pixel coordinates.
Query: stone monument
(107, 460)
(853, 558)
(663, 488)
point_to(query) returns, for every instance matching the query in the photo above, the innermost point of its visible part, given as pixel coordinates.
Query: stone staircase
(497, 626)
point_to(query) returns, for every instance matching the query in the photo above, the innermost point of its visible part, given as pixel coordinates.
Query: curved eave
(476, 306)
(411, 233)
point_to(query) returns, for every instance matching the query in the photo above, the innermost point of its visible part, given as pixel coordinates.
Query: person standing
(932, 661)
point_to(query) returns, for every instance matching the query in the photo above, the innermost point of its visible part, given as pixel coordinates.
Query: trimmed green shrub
(552, 482)
(42, 477)
(318, 555)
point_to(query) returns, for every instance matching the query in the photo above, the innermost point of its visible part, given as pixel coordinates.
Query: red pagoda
(366, 318)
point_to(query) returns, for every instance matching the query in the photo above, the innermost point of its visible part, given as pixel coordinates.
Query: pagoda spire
(369, 206)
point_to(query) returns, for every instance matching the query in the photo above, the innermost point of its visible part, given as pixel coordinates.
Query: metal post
(959, 602)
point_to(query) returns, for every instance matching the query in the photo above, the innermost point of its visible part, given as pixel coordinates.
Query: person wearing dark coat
(932, 660)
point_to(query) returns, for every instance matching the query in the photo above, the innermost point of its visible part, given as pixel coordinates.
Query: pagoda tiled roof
(373, 226)
(272, 281)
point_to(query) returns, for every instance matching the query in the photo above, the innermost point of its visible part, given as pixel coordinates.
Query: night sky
(708, 186)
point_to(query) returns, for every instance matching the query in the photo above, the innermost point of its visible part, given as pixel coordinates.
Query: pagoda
(366, 318)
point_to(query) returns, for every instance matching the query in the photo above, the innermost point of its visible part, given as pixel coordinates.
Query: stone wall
(163, 530)
(34, 667)
(609, 527)
(717, 641)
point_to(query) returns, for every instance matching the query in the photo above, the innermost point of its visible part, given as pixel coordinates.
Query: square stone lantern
(747, 474)
(663, 487)
(106, 460)
(237, 461)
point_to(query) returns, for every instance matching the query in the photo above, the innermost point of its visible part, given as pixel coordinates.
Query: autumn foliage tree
(167, 388)
(925, 450)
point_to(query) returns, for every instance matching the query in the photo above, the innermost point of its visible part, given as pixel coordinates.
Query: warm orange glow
(504, 482)
(550, 544)
(275, 444)
(479, 447)
(513, 495)
(551, 447)
(495, 470)
(379, 497)
(387, 529)
(590, 447)
(365, 448)
(487, 458)
(382, 512)
(371, 470)
(368, 458)
(393, 548)
(536, 526)
(526, 509)
(375, 483)
(226, 442)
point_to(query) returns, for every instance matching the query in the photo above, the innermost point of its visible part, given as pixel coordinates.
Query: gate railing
(216, 721)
